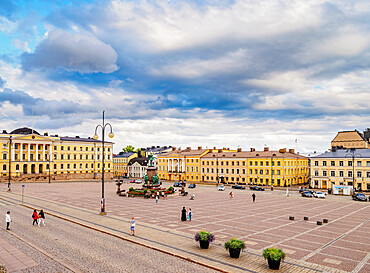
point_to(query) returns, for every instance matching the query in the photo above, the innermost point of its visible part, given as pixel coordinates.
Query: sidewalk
(163, 239)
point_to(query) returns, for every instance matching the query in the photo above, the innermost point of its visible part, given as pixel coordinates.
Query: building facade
(137, 167)
(347, 167)
(351, 139)
(120, 163)
(279, 168)
(27, 155)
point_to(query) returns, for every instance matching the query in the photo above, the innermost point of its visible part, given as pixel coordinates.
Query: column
(21, 152)
(168, 165)
(50, 153)
(37, 152)
(43, 152)
(29, 151)
(13, 151)
(183, 165)
(172, 165)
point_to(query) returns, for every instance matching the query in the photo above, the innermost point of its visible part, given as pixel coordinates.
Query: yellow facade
(120, 163)
(341, 167)
(28, 155)
(235, 166)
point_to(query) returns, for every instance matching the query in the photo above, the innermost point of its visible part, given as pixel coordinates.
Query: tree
(129, 149)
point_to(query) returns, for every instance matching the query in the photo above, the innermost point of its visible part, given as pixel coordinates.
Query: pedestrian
(189, 214)
(7, 220)
(162, 194)
(41, 217)
(132, 228)
(231, 195)
(35, 217)
(183, 214)
(156, 199)
(287, 192)
(272, 187)
(253, 197)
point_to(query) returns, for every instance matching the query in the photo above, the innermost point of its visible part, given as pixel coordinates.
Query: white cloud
(22, 45)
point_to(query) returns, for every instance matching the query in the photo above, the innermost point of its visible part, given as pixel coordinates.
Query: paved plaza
(342, 245)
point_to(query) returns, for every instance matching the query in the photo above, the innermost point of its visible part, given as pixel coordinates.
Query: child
(189, 215)
(7, 220)
(132, 226)
(35, 217)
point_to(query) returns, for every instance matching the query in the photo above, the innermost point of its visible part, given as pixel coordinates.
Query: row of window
(341, 163)
(61, 166)
(341, 173)
(237, 163)
(39, 147)
(62, 157)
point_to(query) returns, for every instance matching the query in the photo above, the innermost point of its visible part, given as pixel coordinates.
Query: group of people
(186, 215)
(38, 218)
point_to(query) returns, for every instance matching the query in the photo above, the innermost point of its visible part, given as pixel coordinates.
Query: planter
(275, 265)
(204, 244)
(234, 252)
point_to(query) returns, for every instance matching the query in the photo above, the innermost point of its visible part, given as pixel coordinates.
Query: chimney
(223, 148)
(266, 149)
(253, 149)
(4, 132)
(239, 150)
(199, 147)
(291, 151)
(188, 148)
(46, 134)
(173, 148)
(282, 150)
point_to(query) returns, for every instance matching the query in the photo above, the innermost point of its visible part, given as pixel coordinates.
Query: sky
(242, 73)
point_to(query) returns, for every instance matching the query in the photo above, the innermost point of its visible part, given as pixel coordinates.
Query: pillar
(37, 152)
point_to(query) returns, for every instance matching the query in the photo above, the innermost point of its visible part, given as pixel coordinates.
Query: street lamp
(111, 135)
(352, 153)
(10, 160)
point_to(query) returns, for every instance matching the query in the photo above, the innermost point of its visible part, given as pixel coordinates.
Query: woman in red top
(35, 217)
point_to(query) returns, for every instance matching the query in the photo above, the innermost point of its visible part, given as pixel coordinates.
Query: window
(359, 163)
(227, 170)
(39, 147)
(340, 163)
(61, 166)
(256, 163)
(278, 163)
(80, 156)
(68, 156)
(68, 166)
(261, 163)
(367, 163)
(255, 171)
(250, 171)
(341, 173)
(368, 174)
(62, 148)
(232, 171)
(74, 156)
(332, 163)
(87, 156)
(232, 163)
(74, 166)
(324, 163)
(349, 163)
(332, 173)
(359, 173)
(74, 148)
(69, 148)
(349, 173)
(31, 148)
(4, 156)
(272, 163)
(267, 163)
(17, 167)
(278, 173)
(250, 163)
(324, 173)
(227, 163)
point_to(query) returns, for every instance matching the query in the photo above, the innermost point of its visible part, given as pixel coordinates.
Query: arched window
(17, 167)
(4, 167)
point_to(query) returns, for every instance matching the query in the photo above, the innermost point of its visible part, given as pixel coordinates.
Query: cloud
(22, 45)
(82, 53)
(2, 82)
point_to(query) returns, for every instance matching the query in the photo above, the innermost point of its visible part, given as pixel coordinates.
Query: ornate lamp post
(352, 153)
(111, 135)
(10, 160)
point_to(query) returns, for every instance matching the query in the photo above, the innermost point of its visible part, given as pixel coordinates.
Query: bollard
(291, 218)
(305, 218)
(319, 223)
(325, 221)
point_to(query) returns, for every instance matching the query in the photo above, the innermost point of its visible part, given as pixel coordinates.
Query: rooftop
(342, 153)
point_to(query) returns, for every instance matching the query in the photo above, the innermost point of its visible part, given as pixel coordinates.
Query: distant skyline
(188, 73)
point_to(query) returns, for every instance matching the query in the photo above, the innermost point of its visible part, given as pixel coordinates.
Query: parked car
(306, 194)
(359, 197)
(221, 188)
(238, 187)
(177, 184)
(192, 186)
(319, 194)
(132, 181)
(138, 181)
(256, 188)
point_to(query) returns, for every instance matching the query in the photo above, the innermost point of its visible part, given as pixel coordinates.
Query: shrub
(204, 236)
(274, 254)
(235, 243)
(131, 189)
(145, 191)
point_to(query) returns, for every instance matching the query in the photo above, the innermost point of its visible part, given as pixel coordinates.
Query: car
(359, 197)
(306, 194)
(138, 181)
(238, 187)
(221, 188)
(177, 184)
(256, 188)
(132, 181)
(319, 194)
(192, 186)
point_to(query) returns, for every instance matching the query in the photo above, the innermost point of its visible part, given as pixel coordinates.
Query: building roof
(89, 139)
(348, 136)
(24, 131)
(254, 154)
(186, 152)
(343, 153)
(156, 148)
(123, 154)
(143, 161)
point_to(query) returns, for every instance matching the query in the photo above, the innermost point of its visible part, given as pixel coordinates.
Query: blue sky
(188, 73)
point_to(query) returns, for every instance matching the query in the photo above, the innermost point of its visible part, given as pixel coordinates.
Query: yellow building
(27, 155)
(351, 139)
(120, 163)
(341, 167)
(266, 167)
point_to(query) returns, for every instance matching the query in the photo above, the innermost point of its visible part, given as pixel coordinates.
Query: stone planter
(204, 244)
(234, 252)
(275, 265)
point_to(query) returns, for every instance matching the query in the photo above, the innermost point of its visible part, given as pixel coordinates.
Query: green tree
(129, 149)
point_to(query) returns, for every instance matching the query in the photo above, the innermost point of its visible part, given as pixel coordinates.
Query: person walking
(35, 217)
(189, 214)
(132, 227)
(156, 199)
(41, 217)
(287, 192)
(7, 220)
(253, 197)
(183, 214)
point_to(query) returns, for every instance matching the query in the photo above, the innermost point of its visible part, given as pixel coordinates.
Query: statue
(155, 179)
(151, 161)
(146, 178)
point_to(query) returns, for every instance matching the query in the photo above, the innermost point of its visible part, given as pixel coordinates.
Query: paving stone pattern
(340, 245)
